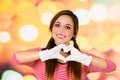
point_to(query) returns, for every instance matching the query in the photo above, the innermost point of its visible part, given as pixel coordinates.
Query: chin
(59, 43)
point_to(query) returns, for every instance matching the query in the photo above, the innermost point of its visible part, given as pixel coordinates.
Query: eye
(56, 25)
(68, 27)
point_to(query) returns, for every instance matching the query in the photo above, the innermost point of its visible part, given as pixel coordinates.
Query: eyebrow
(69, 25)
(65, 24)
(57, 22)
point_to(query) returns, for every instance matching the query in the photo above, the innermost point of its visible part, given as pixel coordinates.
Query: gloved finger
(63, 47)
(61, 58)
(68, 59)
(70, 47)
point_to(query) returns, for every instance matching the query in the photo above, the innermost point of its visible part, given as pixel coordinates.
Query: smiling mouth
(60, 36)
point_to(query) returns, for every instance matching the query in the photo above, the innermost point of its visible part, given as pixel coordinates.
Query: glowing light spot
(115, 44)
(4, 37)
(102, 42)
(7, 7)
(114, 13)
(82, 42)
(98, 12)
(28, 33)
(94, 76)
(46, 18)
(29, 77)
(11, 75)
(26, 10)
(112, 78)
(83, 16)
(46, 6)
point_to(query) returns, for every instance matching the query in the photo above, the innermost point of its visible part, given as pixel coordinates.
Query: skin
(62, 33)
(63, 30)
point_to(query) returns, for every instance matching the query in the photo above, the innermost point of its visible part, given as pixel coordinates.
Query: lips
(60, 35)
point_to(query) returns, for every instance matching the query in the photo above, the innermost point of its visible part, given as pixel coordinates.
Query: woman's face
(63, 30)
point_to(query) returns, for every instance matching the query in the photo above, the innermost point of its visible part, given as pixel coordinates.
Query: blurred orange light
(7, 7)
(50, 6)
(5, 21)
(112, 78)
(115, 43)
(102, 42)
(46, 6)
(83, 42)
(94, 76)
(77, 4)
(26, 10)
(29, 77)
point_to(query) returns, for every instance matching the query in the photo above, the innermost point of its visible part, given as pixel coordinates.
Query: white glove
(53, 53)
(77, 56)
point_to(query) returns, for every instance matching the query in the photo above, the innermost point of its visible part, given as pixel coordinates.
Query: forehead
(65, 19)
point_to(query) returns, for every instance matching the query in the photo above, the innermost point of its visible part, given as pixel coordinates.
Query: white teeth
(60, 36)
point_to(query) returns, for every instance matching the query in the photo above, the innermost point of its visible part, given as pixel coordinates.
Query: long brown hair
(73, 68)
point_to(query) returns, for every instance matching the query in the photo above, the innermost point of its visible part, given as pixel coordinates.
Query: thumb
(64, 60)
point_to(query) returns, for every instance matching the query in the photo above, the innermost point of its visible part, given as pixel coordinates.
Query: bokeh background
(24, 24)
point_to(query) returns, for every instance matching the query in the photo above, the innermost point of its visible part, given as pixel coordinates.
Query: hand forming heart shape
(65, 52)
(65, 48)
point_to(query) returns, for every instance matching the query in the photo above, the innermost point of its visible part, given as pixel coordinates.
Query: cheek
(70, 34)
(54, 31)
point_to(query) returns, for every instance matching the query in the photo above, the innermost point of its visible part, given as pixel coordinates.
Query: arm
(111, 66)
(26, 56)
(89, 59)
(100, 64)
(37, 53)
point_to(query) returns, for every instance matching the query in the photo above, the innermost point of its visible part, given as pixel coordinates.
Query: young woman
(60, 60)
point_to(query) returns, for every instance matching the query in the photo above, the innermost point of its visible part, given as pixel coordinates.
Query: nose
(61, 29)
